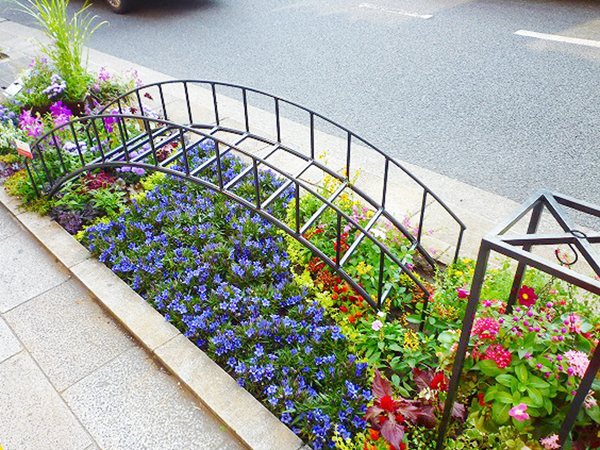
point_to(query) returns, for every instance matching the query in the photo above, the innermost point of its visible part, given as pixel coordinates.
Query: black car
(120, 6)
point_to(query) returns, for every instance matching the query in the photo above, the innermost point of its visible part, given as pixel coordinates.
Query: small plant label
(24, 149)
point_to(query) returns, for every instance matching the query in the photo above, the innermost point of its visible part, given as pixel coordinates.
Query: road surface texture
(444, 84)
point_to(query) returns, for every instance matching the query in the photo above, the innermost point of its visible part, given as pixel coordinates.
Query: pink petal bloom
(519, 412)
(486, 328)
(499, 355)
(551, 442)
(463, 292)
(104, 75)
(377, 325)
(590, 400)
(578, 362)
(33, 126)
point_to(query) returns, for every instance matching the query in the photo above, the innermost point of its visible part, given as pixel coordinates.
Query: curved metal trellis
(137, 139)
(181, 98)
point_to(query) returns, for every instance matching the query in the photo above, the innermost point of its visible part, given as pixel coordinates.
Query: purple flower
(33, 126)
(56, 88)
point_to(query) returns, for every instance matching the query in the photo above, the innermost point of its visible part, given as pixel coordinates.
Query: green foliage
(108, 200)
(68, 38)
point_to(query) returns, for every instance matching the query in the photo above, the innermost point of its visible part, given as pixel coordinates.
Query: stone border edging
(245, 416)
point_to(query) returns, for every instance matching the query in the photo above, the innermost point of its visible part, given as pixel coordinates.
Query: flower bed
(293, 333)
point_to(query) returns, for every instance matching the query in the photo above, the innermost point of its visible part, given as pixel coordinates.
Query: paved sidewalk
(71, 378)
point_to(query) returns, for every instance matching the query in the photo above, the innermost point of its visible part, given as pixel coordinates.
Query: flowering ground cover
(289, 329)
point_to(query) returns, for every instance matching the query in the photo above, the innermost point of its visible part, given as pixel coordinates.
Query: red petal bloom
(527, 296)
(374, 434)
(387, 404)
(481, 402)
(439, 382)
(402, 446)
(343, 309)
(352, 319)
(400, 418)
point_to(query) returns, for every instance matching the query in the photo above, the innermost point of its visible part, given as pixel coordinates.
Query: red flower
(527, 296)
(481, 402)
(352, 319)
(334, 296)
(402, 446)
(400, 418)
(343, 309)
(374, 434)
(439, 382)
(387, 404)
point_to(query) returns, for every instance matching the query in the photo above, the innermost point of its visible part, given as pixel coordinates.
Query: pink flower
(61, 113)
(377, 325)
(33, 126)
(499, 355)
(486, 328)
(551, 442)
(519, 412)
(578, 362)
(590, 400)
(462, 292)
(574, 323)
(104, 75)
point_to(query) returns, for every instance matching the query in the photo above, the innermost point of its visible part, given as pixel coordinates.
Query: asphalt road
(458, 93)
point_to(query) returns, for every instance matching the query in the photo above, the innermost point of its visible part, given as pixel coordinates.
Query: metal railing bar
(245, 102)
(372, 221)
(187, 102)
(422, 216)
(247, 170)
(285, 185)
(309, 223)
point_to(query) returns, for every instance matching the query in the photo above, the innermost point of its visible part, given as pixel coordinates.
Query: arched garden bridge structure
(191, 129)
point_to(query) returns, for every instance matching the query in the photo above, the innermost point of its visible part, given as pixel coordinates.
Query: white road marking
(559, 38)
(394, 11)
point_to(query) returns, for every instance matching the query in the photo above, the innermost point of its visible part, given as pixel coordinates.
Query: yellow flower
(411, 341)
(363, 269)
(458, 273)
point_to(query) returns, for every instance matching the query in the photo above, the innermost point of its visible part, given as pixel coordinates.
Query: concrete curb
(245, 416)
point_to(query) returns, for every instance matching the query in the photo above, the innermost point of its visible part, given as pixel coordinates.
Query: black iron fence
(519, 247)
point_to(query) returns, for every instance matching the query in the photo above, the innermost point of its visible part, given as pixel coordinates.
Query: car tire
(120, 6)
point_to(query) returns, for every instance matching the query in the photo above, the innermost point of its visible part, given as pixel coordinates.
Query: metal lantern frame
(519, 247)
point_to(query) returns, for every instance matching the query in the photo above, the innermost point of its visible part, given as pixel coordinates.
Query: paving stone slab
(27, 270)
(68, 333)
(131, 403)
(33, 416)
(9, 344)
(8, 225)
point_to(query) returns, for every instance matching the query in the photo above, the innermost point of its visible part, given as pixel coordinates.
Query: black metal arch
(51, 169)
(137, 99)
